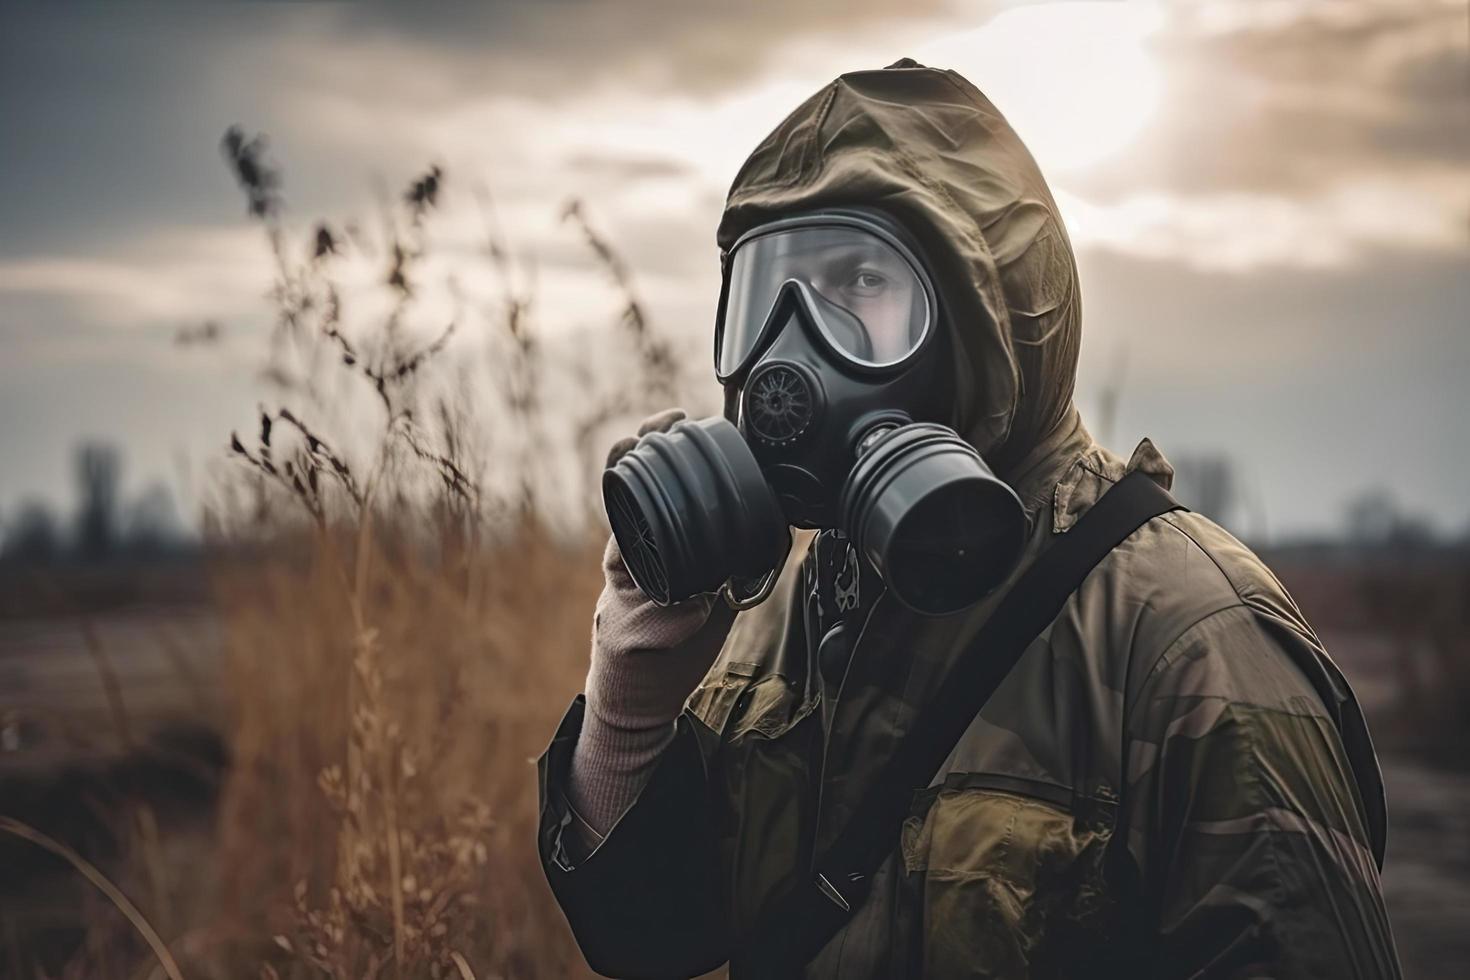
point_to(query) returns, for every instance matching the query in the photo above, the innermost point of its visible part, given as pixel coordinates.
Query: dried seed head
(325, 242)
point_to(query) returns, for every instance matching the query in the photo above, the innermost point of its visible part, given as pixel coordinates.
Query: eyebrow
(848, 254)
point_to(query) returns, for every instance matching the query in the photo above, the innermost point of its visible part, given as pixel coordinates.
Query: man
(1174, 780)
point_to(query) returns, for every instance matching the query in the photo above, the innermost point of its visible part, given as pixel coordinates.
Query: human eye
(866, 281)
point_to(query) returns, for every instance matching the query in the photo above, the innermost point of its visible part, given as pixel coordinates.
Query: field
(240, 757)
(244, 768)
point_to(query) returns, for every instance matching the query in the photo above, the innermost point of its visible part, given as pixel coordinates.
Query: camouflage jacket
(1174, 781)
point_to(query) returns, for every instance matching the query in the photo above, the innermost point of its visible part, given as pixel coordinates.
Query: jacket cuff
(647, 900)
(566, 839)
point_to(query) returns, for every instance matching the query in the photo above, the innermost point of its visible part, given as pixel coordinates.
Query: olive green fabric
(1174, 781)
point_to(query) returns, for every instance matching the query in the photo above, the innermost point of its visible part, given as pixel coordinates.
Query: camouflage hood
(927, 146)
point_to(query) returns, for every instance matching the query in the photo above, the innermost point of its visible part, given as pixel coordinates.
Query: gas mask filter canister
(828, 330)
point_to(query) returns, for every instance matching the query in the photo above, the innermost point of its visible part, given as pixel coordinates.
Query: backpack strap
(800, 923)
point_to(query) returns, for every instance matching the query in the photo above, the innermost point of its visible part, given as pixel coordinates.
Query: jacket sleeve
(1244, 815)
(647, 900)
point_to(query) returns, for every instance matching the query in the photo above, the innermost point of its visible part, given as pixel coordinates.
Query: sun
(1077, 81)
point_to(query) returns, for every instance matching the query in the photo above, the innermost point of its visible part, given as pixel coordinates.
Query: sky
(1270, 200)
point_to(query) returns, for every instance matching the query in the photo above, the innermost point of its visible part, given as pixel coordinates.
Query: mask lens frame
(748, 292)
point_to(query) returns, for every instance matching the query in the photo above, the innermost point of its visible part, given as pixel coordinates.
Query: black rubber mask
(829, 332)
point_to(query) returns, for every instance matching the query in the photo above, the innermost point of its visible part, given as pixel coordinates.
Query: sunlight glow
(1077, 81)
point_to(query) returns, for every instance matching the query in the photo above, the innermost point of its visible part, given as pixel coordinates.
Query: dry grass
(400, 654)
(404, 620)
(381, 805)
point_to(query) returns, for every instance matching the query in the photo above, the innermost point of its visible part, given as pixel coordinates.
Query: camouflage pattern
(1174, 781)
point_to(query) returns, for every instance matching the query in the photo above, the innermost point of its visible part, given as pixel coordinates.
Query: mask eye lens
(878, 305)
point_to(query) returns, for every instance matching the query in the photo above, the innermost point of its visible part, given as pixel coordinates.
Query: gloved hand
(646, 659)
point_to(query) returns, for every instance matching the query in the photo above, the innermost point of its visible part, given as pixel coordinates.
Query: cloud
(1299, 133)
(624, 168)
(553, 51)
(113, 116)
(1342, 224)
(173, 276)
(1275, 97)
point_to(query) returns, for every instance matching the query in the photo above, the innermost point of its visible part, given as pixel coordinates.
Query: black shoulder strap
(817, 909)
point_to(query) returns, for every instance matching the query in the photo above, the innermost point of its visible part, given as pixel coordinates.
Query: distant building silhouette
(98, 472)
(1206, 483)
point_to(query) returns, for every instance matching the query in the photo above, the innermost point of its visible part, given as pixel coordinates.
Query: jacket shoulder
(1174, 573)
(1246, 576)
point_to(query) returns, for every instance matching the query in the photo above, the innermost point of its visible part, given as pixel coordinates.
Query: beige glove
(646, 659)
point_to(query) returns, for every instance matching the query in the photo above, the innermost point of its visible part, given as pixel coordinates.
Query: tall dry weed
(381, 805)
(409, 620)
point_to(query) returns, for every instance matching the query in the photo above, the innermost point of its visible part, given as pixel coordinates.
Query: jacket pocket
(1008, 884)
(715, 698)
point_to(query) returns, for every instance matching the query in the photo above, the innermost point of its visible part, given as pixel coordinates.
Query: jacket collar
(1069, 471)
(1093, 471)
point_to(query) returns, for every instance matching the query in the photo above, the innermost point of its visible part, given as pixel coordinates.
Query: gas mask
(829, 332)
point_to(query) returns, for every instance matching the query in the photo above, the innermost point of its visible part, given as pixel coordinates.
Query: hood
(926, 146)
